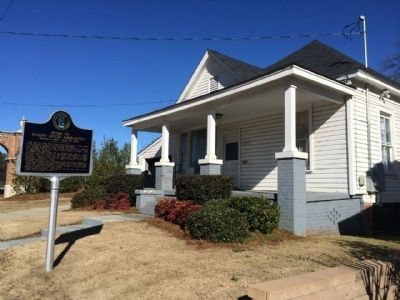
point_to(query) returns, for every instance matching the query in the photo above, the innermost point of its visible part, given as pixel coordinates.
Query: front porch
(260, 133)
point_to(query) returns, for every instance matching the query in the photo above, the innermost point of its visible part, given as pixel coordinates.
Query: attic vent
(213, 84)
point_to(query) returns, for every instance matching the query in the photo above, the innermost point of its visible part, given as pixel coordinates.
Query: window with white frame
(303, 134)
(386, 140)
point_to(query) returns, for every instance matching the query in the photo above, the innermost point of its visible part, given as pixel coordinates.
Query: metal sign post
(55, 150)
(51, 235)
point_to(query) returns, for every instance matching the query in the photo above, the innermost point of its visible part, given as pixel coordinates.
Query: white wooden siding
(261, 138)
(392, 192)
(329, 172)
(212, 69)
(153, 150)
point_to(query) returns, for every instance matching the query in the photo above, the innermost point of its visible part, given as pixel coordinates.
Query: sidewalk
(37, 212)
(42, 213)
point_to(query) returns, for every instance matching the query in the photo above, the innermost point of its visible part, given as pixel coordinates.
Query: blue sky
(40, 70)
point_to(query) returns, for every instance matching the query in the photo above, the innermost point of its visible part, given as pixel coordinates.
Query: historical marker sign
(55, 148)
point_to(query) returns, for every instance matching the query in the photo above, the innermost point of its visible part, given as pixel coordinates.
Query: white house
(317, 106)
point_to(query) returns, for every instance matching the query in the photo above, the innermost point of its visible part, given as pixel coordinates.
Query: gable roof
(241, 69)
(326, 61)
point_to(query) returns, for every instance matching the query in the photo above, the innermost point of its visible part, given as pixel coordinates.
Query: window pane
(198, 148)
(232, 151)
(386, 140)
(383, 130)
(388, 135)
(302, 134)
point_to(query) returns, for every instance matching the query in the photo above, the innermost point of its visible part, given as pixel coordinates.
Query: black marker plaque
(56, 147)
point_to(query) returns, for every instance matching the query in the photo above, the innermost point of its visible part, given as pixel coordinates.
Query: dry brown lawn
(7, 205)
(133, 260)
(31, 225)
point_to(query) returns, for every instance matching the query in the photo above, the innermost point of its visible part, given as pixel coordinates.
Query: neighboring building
(317, 128)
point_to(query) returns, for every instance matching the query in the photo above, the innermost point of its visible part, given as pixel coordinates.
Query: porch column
(291, 173)
(133, 167)
(164, 168)
(210, 165)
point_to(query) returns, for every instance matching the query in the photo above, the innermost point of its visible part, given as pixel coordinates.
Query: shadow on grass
(379, 266)
(72, 237)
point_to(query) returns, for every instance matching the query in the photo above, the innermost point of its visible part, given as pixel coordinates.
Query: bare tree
(391, 65)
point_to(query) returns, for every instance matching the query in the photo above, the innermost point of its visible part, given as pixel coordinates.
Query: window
(232, 151)
(182, 152)
(198, 145)
(386, 140)
(303, 134)
(213, 84)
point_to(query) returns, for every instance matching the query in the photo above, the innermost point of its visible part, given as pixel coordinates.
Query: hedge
(88, 197)
(108, 192)
(261, 214)
(175, 211)
(126, 184)
(218, 224)
(203, 188)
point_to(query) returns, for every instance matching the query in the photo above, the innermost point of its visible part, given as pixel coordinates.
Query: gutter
(293, 70)
(372, 80)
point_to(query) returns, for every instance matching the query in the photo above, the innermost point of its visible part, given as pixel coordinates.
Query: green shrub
(71, 184)
(218, 224)
(204, 187)
(217, 203)
(261, 214)
(94, 181)
(125, 184)
(88, 197)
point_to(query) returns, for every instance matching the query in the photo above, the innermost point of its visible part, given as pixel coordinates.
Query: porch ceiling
(244, 104)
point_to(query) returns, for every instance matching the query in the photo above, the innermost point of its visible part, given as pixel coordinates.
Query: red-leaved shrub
(175, 211)
(118, 201)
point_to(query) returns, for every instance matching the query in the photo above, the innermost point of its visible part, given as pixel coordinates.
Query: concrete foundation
(133, 171)
(210, 169)
(340, 215)
(164, 177)
(146, 200)
(292, 195)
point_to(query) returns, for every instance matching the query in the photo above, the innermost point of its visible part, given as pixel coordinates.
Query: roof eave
(373, 80)
(292, 70)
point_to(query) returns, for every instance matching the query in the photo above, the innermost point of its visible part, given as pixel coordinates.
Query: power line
(84, 105)
(137, 38)
(6, 10)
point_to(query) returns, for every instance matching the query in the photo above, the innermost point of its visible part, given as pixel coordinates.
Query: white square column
(291, 173)
(164, 161)
(164, 168)
(210, 165)
(134, 167)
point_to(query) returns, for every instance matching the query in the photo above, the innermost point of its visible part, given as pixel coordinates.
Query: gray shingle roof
(326, 61)
(242, 70)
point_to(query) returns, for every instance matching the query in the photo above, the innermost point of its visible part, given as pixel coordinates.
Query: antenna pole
(362, 18)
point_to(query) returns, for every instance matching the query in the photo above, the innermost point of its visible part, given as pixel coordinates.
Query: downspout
(368, 126)
(350, 147)
(370, 180)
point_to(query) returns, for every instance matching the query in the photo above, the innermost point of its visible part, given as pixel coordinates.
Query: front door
(230, 153)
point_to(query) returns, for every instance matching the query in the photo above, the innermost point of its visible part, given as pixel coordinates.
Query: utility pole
(362, 19)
